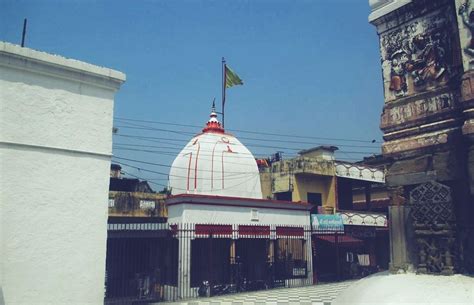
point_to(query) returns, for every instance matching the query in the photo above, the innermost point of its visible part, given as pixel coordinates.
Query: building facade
(352, 194)
(315, 176)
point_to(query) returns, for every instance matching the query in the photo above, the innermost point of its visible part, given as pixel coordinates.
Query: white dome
(215, 163)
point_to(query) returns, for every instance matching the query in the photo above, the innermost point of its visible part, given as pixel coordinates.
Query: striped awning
(344, 240)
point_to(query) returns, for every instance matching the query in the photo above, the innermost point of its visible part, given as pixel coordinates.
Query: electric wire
(247, 131)
(240, 137)
(203, 190)
(145, 179)
(239, 174)
(209, 155)
(194, 133)
(247, 144)
(174, 145)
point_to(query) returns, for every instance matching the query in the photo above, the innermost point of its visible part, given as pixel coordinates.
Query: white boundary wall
(208, 214)
(56, 118)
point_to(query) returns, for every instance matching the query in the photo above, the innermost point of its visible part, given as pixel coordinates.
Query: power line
(248, 144)
(156, 129)
(174, 153)
(144, 127)
(146, 170)
(147, 180)
(240, 138)
(248, 131)
(240, 174)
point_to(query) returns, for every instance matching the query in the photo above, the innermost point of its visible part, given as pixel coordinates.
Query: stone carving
(467, 16)
(397, 196)
(433, 220)
(435, 255)
(419, 109)
(432, 206)
(418, 55)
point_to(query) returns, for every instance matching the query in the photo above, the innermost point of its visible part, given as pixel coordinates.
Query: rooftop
(55, 62)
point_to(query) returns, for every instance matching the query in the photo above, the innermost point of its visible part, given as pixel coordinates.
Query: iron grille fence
(168, 262)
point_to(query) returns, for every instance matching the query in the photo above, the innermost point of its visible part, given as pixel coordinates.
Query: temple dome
(215, 163)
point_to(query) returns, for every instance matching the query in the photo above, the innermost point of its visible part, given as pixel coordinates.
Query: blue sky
(310, 68)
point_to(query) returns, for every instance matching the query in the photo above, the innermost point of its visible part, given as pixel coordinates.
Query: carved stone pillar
(423, 119)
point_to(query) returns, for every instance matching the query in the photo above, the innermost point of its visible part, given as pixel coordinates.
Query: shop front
(330, 243)
(348, 245)
(372, 254)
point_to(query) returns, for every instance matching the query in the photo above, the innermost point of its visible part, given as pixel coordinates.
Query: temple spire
(213, 125)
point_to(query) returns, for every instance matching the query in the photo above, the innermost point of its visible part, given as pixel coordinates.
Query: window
(315, 198)
(284, 196)
(254, 215)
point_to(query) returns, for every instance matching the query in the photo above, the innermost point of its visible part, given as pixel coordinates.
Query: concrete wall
(314, 184)
(55, 147)
(266, 184)
(375, 194)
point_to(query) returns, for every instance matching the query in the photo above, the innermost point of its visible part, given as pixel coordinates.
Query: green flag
(231, 78)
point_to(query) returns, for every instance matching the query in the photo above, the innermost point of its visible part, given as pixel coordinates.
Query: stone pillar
(184, 263)
(55, 148)
(232, 251)
(309, 258)
(422, 117)
(399, 238)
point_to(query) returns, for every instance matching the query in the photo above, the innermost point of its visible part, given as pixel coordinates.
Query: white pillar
(55, 147)
(309, 257)
(184, 262)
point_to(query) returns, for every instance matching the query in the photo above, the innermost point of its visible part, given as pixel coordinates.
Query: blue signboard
(327, 222)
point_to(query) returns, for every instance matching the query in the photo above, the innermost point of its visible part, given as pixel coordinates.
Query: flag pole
(223, 91)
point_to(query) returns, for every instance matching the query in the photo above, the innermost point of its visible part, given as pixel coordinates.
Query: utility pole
(24, 33)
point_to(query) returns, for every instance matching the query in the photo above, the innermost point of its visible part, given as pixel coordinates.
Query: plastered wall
(196, 213)
(314, 184)
(55, 148)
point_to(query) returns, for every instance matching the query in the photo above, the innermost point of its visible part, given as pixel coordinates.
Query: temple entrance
(210, 261)
(252, 256)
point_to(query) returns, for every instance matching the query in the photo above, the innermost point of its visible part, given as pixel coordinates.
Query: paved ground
(321, 294)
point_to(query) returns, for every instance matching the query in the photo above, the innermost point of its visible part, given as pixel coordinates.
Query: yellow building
(316, 177)
(356, 192)
(130, 197)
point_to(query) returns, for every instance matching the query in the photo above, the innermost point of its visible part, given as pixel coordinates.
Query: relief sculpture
(418, 56)
(419, 109)
(467, 16)
(433, 219)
